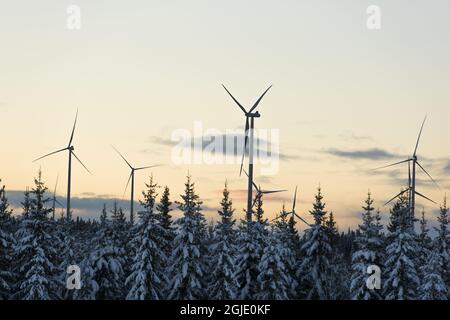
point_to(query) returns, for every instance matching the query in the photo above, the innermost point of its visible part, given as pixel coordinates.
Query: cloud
(263, 147)
(369, 154)
(447, 167)
(351, 136)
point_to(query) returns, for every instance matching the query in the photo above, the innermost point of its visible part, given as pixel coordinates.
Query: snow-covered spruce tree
(314, 271)
(187, 263)
(68, 252)
(26, 204)
(91, 256)
(108, 259)
(402, 276)
(288, 245)
(165, 219)
(252, 238)
(35, 252)
(424, 244)
(249, 252)
(369, 251)
(273, 278)
(442, 243)
(338, 286)
(433, 286)
(6, 247)
(223, 283)
(147, 280)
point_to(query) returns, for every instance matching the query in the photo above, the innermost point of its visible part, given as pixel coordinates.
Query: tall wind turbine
(71, 149)
(249, 135)
(293, 213)
(131, 177)
(55, 201)
(413, 163)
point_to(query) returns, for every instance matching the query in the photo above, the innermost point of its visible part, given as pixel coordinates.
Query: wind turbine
(71, 149)
(55, 201)
(249, 135)
(260, 193)
(413, 163)
(293, 213)
(131, 177)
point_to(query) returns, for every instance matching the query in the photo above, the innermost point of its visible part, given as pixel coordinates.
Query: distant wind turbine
(249, 135)
(412, 166)
(293, 213)
(71, 149)
(260, 193)
(131, 177)
(55, 201)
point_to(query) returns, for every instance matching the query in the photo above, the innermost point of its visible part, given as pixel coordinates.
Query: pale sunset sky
(345, 99)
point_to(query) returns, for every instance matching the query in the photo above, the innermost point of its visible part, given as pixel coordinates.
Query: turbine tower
(71, 149)
(413, 163)
(249, 135)
(131, 177)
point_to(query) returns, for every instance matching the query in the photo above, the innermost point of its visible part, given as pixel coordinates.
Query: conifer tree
(402, 277)
(6, 247)
(288, 246)
(442, 243)
(424, 244)
(188, 258)
(369, 251)
(108, 258)
(223, 285)
(273, 278)
(148, 279)
(35, 252)
(433, 286)
(314, 270)
(163, 209)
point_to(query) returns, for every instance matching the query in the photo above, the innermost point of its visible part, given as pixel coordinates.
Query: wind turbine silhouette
(413, 163)
(293, 213)
(131, 177)
(260, 193)
(71, 149)
(249, 135)
(55, 201)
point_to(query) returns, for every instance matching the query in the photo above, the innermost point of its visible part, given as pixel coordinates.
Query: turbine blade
(245, 144)
(122, 157)
(56, 184)
(302, 219)
(254, 201)
(59, 203)
(142, 168)
(253, 182)
(393, 164)
(237, 102)
(275, 191)
(259, 100)
(49, 154)
(429, 176)
(420, 134)
(295, 200)
(128, 182)
(421, 195)
(398, 195)
(73, 153)
(73, 129)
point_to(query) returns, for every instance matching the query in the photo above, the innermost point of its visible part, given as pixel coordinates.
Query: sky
(345, 99)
